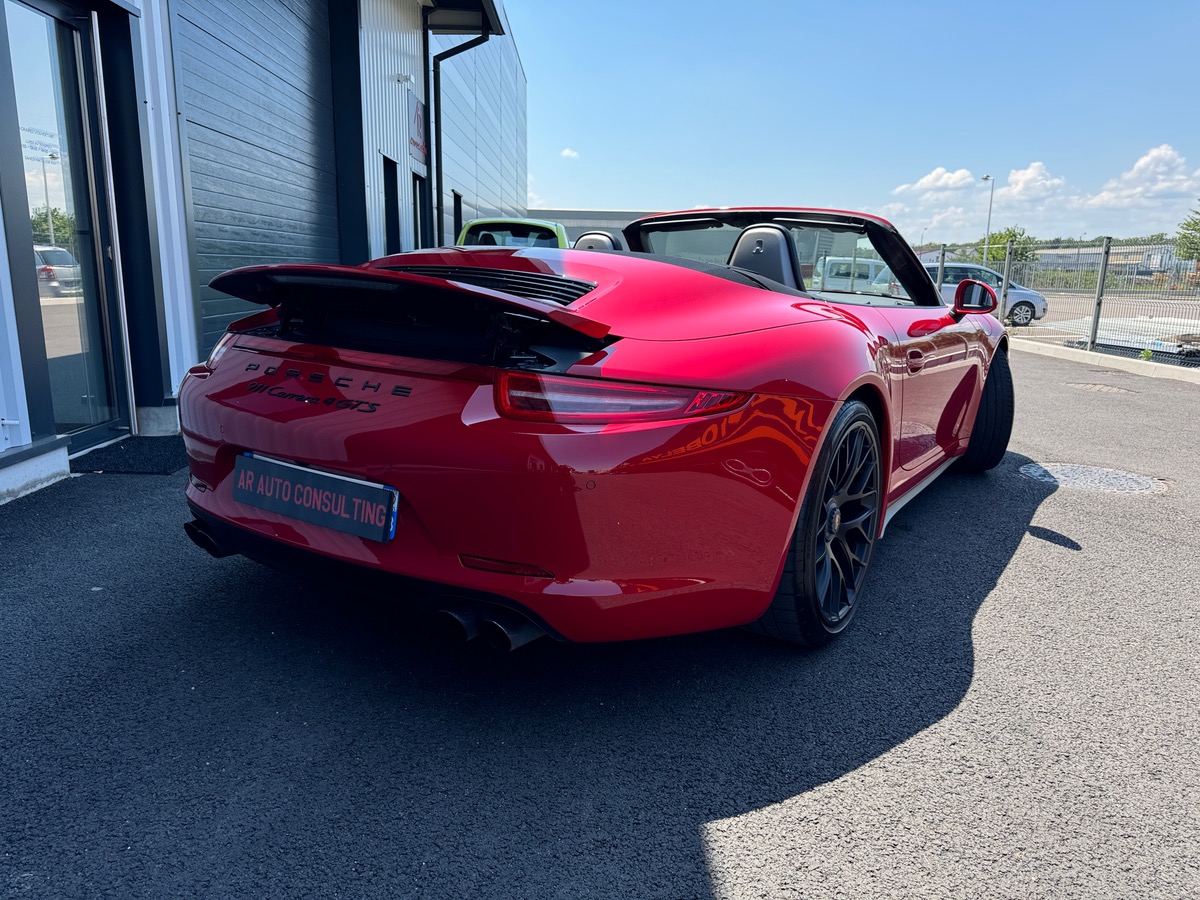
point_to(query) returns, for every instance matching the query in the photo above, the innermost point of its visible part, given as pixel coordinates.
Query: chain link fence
(1133, 300)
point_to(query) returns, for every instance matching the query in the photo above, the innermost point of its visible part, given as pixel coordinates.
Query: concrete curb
(1136, 366)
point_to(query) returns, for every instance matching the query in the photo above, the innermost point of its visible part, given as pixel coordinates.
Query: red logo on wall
(417, 147)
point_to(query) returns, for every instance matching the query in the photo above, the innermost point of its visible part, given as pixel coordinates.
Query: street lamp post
(1078, 267)
(988, 235)
(46, 189)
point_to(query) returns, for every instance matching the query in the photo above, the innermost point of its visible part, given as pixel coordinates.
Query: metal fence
(1134, 300)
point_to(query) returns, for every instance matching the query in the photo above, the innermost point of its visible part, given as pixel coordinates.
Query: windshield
(837, 255)
(831, 257)
(509, 234)
(56, 256)
(705, 241)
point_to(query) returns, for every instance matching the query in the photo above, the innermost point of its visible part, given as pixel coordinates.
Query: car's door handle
(916, 360)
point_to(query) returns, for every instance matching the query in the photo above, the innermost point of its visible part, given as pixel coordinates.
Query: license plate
(332, 501)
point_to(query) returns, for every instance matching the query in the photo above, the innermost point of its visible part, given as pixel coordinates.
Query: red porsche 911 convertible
(592, 445)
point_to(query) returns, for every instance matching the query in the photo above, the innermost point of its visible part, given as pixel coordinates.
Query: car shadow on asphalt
(326, 730)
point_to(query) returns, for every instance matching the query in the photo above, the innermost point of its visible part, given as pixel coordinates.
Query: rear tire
(993, 423)
(836, 531)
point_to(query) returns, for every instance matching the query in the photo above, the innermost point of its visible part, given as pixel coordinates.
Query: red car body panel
(601, 531)
(652, 312)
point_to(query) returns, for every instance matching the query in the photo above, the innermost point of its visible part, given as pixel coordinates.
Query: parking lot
(1015, 712)
(1156, 322)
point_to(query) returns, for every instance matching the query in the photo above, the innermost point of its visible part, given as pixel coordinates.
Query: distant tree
(64, 227)
(1159, 237)
(1023, 244)
(1187, 245)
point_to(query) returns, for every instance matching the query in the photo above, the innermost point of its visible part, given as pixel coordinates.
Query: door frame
(88, 92)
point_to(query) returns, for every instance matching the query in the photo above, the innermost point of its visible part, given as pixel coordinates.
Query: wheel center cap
(833, 519)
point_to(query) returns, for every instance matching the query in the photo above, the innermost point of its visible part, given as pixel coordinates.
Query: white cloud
(951, 217)
(940, 179)
(1154, 194)
(892, 210)
(568, 153)
(1160, 174)
(37, 189)
(1031, 183)
(936, 198)
(532, 199)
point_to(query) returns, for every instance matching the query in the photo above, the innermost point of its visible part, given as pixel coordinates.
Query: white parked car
(845, 273)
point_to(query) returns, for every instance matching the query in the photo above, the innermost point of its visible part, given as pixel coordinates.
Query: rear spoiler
(271, 285)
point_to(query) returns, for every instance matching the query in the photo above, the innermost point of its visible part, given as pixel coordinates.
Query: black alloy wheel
(822, 582)
(842, 548)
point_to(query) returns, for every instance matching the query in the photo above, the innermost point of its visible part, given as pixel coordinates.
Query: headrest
(597, 240)
(767, 250)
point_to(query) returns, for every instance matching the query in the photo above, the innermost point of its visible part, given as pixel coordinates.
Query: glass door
(56, 102)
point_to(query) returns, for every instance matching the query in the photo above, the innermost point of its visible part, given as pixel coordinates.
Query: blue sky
(1088, 115)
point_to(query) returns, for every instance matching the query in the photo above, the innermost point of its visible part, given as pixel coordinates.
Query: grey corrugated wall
(254, 93)
(483, 129)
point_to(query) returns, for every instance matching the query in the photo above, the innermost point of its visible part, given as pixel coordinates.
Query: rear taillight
(581, 401)
(46, 273)
(220, 349)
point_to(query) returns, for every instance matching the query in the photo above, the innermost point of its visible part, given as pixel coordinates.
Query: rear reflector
(220, 349)
(506, 568)
(582, 401)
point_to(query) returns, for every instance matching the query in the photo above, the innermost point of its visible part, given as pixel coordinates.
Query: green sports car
(513, 233)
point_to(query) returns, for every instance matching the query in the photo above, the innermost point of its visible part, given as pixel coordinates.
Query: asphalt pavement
(1015, 712)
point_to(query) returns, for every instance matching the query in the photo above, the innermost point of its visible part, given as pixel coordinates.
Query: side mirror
(973, 297)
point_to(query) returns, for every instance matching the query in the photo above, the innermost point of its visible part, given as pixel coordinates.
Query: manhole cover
(1092, 478)
(1100, 388)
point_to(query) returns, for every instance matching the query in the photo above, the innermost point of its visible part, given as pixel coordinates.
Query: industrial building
(148, 145)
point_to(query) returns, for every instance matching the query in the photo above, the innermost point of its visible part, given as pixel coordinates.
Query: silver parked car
(1023, 304)
(57, 272)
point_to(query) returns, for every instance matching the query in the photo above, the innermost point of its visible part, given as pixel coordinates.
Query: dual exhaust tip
(205, 539)
(501, 629)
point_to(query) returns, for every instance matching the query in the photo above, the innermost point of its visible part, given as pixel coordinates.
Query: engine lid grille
(530, 285)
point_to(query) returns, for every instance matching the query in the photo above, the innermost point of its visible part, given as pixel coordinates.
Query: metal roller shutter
(254, 93)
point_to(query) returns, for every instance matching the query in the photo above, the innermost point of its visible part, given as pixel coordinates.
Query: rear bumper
(229, 540)
(646, 531)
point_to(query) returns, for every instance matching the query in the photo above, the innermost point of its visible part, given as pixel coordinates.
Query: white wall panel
(14, 414)
(390, 48)
(483, 129)
(165, 163)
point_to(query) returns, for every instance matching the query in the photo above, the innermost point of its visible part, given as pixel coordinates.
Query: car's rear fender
(603, 512)
(820, 360)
